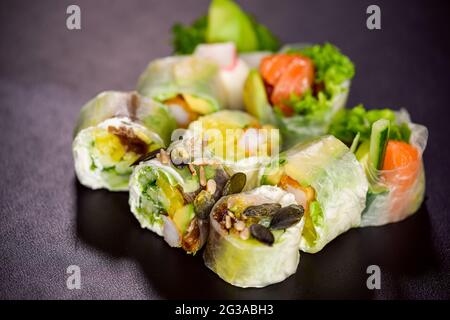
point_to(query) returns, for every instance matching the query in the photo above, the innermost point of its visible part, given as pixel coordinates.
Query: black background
(48, 221)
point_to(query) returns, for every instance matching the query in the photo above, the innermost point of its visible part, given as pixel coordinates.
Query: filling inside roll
(305, 195)
(186, 108)
(237, 140)
(254, 237)
(113, 130)
(390, 148)
(187, 85)
(299, 89)
(108, 150)
(234, 135)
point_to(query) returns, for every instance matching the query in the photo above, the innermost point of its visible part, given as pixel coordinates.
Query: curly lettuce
(332, 68)
(347, 123)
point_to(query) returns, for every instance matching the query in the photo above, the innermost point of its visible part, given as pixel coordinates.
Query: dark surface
(48, 221)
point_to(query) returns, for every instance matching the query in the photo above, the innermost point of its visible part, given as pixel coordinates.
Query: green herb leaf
(186, 38)
(347, 123)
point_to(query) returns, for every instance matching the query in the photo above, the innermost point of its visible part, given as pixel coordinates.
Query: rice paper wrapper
(250, 263)
(394, 195)
(118, 112)
(171, 76)
(338, 179)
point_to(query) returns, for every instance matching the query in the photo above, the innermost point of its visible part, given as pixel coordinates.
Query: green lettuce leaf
(186, 38)
(332, 68)
(347, 123)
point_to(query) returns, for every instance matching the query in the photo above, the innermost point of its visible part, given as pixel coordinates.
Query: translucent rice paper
(298, 128)
(117, 109)
(396, 196)
(219, 148)
(168, 77)
(331, 169)
(250, 263)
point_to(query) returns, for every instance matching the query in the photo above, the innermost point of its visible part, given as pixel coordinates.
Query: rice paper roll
(328, 181)
(188, 85)
(236, 140)
(254, 237)
(173, 198)
(397, 190)
(299, 90)
(113, 130)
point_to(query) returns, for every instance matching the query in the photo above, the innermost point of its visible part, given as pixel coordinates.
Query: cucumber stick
(378, 142)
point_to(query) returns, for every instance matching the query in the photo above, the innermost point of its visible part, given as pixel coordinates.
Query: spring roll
(299, 90)
(235, 139)
(254, 237)
(113, 130)
(397, 184)
(173, 198)
(328, 181)
(190, 86)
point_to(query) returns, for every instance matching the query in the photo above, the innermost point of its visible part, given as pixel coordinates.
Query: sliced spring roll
(328, 181)
(254, 237)
(237, 140)
(299, 89)
(390, 148)
(190, 86)
(172, 197)
(113, 130)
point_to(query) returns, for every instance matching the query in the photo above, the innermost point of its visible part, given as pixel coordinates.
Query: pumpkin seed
(266, 209)
(235, 184)
(220, 178)
(262, 234)
(286, 217)
(203, 204)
